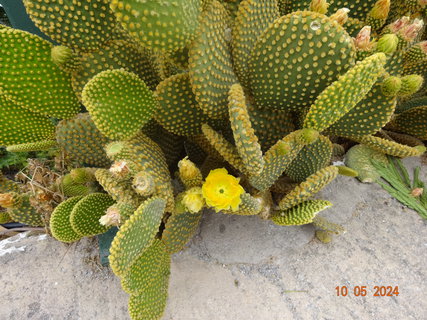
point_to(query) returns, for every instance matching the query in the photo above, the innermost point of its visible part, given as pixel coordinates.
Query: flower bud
(320, 6)
(363, 39)
(193, 200)
(380, 10)
(387, 43)
(341, 16)
(391, 86)
(410, 85)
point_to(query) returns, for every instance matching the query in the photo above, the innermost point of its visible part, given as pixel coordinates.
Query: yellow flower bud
(193, 200)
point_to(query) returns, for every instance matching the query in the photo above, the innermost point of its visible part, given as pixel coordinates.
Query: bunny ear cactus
(30, 79)
(60, 224)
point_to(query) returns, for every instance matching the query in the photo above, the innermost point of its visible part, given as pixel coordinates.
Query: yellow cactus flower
(193, 200)
(222, 191)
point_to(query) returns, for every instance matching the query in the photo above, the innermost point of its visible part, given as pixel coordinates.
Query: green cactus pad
(82, 25)
(83, 175)
(277, 159)
(368, 116)
(178, 112)
(65, 59)
(7, 185)
(409, 104)
(359, 158)
(210, 62)
(150, 303)
(86, 213)
(248, 207)
(328, 226)
(389, 147)
(25, 213)
(413, 122)
(253, 17)
(32, 146)
(135, 235)
(270, 127)
(296, 58)
(60, 224)
(180, 228)
(403, 138)
(309, 187)
(344, 94)
(416, 53)
(224, 148)
(118, 190)
(162, 25)
(19, 125)
(74, 190)
(119, 103)
(30, 79)
(301, 214)
(310, 159)
(154, 263)
(82, 141)
(116, 54)
(246, 141)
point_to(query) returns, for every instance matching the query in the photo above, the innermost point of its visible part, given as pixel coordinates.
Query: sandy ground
(240, 268)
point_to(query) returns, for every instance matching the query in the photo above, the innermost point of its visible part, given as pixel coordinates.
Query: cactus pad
(210, 62)
(309, 187)
(29, 78)
(25, 213)
(82, 141)
(180, 228)
(310, 159)
(154, 263)
(82, 25)
(86, 213)
(18, 125)
(390, 147)
(119, 103)
(135, 235)
(178, 112)
(359, 158)
(303, 213)
(296, 58)
(344, 94)
(60, 224)
(32, 146)
(413, 122)
(244, 136)
(163, 25)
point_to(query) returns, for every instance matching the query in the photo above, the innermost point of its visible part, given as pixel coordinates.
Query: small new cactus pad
(210, 62)
(296, 58)
(410, 85)
(83, 175)
(119, 103)
(390, 147)
(136, 235)
(60, 224)
(190, 175)
(32, 146)
(178, 111)
(24, 212)
(179, 229)
(277, 159)
(65, 59)
(82, 141)
(86, 213)
(248, 206)
(328, 226)
(344, 94)
(116, 54)
(150, 303)
(303, 213)
(163, 25)
(80, 24)
(29, 78)
(7, 185)
(253, 17)
(359, 158)
(310, 159)
(309, 187)
(118, 190)
(412, 121)
(367, 117)
(244, 136)
(153, 263)
(19, 125)
(225, 148)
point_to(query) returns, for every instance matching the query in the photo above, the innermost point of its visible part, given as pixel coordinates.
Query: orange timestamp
(363, 291)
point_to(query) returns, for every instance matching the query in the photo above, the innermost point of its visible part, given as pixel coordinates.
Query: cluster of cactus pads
(140, 92)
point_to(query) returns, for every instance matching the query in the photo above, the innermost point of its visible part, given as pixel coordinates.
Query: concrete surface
(240, 268)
